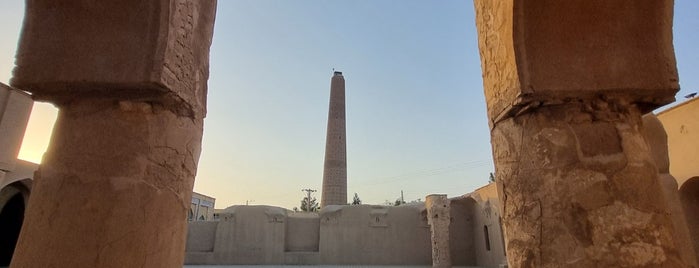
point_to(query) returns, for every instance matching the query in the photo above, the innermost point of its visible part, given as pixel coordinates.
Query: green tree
(356, 200)
(398, 202)
(492, 177)
(307, 206)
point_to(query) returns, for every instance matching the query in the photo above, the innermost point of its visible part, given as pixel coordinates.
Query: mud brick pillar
(566, 83)
(129, 78)
(438, 217)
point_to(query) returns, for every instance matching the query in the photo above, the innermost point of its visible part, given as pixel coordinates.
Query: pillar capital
(123, 49)
(536, 52)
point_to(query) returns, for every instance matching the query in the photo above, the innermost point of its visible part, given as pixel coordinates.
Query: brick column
(335, 163)
(566, 83)
(438, 217)
(129, 78)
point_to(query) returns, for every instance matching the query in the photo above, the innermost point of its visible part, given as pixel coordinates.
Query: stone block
(116, 49)
(574, 199)
(655, 135)
(15, 108)
(549, 51)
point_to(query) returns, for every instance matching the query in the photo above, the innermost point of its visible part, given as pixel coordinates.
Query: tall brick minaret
(335, 168)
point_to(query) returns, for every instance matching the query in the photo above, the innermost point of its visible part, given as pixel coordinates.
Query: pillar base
(113, 188)
(579, 188)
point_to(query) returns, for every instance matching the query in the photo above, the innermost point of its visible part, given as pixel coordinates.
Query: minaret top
(338, 73)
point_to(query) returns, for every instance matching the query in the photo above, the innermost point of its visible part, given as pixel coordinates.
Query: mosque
(365, 234)
(381, 235)
(630, 184)
(341, 234)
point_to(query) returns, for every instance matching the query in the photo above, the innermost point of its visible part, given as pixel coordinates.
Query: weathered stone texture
(335, 163)
(113, 188)
(682, 235)
(439, 218)
(579, 188)
(544, 51)
(130, 80)
(126, 49)
(656, 137)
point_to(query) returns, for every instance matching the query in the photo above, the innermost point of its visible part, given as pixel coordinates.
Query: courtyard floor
(320, 266)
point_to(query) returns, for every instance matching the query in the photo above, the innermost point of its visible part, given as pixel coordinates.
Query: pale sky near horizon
(415, 109)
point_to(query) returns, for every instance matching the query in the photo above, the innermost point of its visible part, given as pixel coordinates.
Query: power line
(308, 201)
(425, 173)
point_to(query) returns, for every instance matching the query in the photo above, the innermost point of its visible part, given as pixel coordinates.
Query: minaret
(335, 168)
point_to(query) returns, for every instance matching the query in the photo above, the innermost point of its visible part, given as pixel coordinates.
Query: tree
(307, 206)
(356, 200)
(398, 202)
(416, 201)
(492, 178)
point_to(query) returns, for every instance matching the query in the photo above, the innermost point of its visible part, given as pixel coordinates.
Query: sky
(416, 116)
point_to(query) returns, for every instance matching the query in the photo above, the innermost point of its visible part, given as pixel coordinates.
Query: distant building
(217, 214)
(201, 208)
(15, 175)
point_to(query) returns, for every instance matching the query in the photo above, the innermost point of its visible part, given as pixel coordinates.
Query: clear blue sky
(415, 109)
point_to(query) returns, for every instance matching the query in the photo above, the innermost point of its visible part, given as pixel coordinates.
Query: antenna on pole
(308, 201)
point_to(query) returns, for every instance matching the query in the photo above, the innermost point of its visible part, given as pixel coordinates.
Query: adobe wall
(374, 235)
(461, 238)
(490, 250)
(364, 234)
(681, 124)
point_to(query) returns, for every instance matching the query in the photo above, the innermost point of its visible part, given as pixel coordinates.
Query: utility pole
(401, 197)
(247, 201)
(308, 201)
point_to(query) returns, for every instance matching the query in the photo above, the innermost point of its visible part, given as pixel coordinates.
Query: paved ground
(317, 266)
(308, 266)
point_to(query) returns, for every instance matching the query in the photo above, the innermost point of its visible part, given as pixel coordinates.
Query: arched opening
(486, 237)
(11, 217)
(689, 194)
